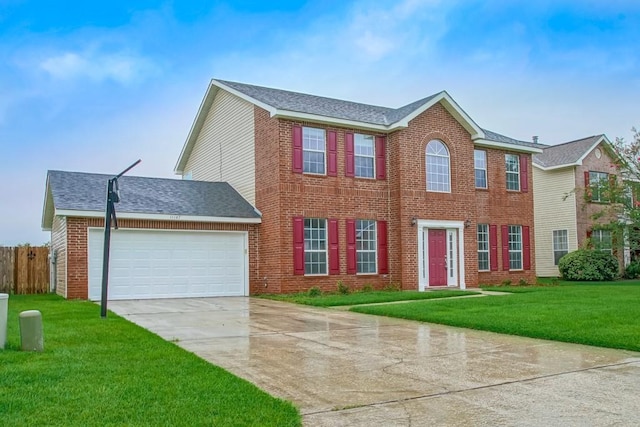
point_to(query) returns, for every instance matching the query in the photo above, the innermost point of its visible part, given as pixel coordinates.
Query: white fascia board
(159, 217)
(307, 117)
(551, 168)
(511, 147)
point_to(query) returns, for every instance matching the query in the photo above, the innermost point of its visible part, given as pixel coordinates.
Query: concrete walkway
(350, 369)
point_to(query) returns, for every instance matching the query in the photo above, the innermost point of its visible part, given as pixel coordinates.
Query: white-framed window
(438, 176)
(560, 245)
(365, 152)
(483, 247)
(480, 166)
(598, 186)
(601, 240)
(314, 150)
(512, 162)
(515, 247)
(366, 246)
(315, 246)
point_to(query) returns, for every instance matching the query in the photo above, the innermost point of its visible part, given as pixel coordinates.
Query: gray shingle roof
(493, 136)
(328, 107)
(87, 192)
(565, 154)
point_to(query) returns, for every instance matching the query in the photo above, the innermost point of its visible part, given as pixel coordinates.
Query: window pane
(313, 144)
(437, 165)
(366, 246)
(364, 156)
(512, 162)
(515, 247)
(560, 245)
(599, 186)
(480, 164)
(483, 247)
(315, 246)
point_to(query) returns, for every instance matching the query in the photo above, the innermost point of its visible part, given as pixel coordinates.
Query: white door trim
(422, 228)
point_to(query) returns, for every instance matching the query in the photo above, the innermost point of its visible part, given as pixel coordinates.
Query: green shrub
(633, 270)
(506, 282)
(342, 288)
(314, 292)
(522, 282)
(367, 287)
(588, 264)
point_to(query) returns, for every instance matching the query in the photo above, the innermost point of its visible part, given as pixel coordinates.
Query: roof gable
(570, 153)
(69, 192)
(306, 107)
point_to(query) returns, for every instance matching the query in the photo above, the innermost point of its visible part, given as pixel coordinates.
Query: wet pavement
(349, 369)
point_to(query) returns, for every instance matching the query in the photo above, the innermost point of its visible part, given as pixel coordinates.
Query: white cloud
(96, 66)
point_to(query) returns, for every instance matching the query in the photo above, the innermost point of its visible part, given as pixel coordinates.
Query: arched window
(438, 167)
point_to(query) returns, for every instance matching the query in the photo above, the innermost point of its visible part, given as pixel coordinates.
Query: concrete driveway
(344, 368)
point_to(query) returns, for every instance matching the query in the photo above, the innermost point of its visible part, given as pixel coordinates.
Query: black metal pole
(105, 251)
(109, 215)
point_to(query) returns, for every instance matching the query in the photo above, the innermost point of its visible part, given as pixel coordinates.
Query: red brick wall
(397, 200)
(591, 213)
(77, 279)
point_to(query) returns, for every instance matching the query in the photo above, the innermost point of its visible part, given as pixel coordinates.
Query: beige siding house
(223, 149)
(563, 216)
(554, 204)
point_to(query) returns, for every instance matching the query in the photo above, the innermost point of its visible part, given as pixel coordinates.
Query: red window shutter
(493, 247)
(587, 188)
(383, 251)
(524, 173)
(349, 161)
(332, 153)
(351, 247)
(297, 149)
(381, 157)
(526, 248)
(298, 245)
(505, 247)
(334, 254)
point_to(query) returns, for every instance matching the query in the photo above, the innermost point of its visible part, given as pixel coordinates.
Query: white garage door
(169, 264)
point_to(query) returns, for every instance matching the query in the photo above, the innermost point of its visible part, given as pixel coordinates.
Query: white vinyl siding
(59, 245)
(554, 206)
(225, 147)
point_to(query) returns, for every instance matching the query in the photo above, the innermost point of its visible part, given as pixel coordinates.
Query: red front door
(437, 257)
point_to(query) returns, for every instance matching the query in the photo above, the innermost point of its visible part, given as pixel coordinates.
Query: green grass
(333, 300)
(605, 315)
(110, 372)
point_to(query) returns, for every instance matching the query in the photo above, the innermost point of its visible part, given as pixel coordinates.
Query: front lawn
(111, 372)
(605, 315)
(333, 300)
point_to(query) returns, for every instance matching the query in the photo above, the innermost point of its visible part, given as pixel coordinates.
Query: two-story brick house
(284, 191)
(420, 195)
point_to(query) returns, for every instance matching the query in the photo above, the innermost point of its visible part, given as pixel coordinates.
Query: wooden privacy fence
(24, 270)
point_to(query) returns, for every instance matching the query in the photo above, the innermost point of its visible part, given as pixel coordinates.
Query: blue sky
(93, 87)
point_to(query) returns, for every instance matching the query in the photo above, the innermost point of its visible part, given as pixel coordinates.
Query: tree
(623, 195)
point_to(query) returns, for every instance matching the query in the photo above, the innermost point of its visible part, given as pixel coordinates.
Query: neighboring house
(327, 191)
(420, 195)
(175, 238)
(570, 187)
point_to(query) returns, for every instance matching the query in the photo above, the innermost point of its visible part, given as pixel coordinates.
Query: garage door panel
(169, 264)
